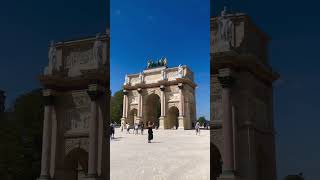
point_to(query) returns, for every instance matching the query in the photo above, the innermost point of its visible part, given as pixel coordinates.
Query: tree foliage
(202, 120)
(21, 138)
(116, 106)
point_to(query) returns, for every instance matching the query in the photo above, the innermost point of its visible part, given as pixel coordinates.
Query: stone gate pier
(76, 93)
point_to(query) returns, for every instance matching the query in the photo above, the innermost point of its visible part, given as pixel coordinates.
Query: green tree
(21, 138)
(116, 106)
(202, 120)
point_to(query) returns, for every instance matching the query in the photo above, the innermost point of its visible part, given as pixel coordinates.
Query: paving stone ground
(173, 155)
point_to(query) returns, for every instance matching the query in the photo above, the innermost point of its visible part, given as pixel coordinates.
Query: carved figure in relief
(97, 50)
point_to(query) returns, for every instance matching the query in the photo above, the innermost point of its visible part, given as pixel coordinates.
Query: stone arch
(152, 109)
(172, 118)
(216, 161)
(76, 164)
(132, 116)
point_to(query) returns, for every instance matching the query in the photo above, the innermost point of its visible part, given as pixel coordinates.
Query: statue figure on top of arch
(52, 66)
(141, 77)
(126, 80)
(180, 72)
(225, 27)
(97, 51)
(163, 74)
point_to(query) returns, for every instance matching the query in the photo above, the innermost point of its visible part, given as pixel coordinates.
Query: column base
(227, 174)
(93, 177)
(161, 122)
(47, 177)
(123, 120)
(181, 122)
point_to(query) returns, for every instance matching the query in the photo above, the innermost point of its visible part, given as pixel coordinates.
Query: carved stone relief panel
(152, 78)
(77, 114)
(172, 97)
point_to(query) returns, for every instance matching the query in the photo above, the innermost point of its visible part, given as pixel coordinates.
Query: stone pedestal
(123, 120)
(44, 178)
(181, 122)
(162, 119)
(227, 176)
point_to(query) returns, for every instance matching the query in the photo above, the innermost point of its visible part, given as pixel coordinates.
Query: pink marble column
(226, 82)
(162, 119)
(181, 107)
(46, 138)
(93, 132)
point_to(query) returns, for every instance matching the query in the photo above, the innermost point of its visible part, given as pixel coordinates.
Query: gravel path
(173, 155)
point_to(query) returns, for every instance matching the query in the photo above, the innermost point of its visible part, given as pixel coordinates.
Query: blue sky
(294, 29)
(26, 29)
(178, 30)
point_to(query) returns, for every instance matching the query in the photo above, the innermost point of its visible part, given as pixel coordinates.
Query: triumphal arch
(76, 112)
(165, 96)
(242, 127)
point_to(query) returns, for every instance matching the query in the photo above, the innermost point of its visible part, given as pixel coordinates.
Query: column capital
(48, 100)
(180, 85)
(226, 81)
(226, 78)
(94, 95)
(125, 92)
(162, 87)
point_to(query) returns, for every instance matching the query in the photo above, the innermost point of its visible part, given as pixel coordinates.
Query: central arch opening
(216, 161)
(76, 164)
(172, 119)
(132, 117)
(152, 109)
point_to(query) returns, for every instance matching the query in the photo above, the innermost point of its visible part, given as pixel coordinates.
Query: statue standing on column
(180, 72)
(97, 51)
(141, 77)
(165, 62)
(126, 81)
(225, 27)
(163, 75)
(52, 59)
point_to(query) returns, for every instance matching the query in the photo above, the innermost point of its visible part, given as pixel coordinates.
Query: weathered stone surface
(175, 89)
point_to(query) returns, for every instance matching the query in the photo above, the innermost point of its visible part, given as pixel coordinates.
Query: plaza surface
(173, 155)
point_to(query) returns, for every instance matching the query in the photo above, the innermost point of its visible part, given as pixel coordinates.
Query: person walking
(122, 126)
(128, 128)
(142, 128)
(136, 128)
(150, 132)
(197, 127)
(112, 130)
